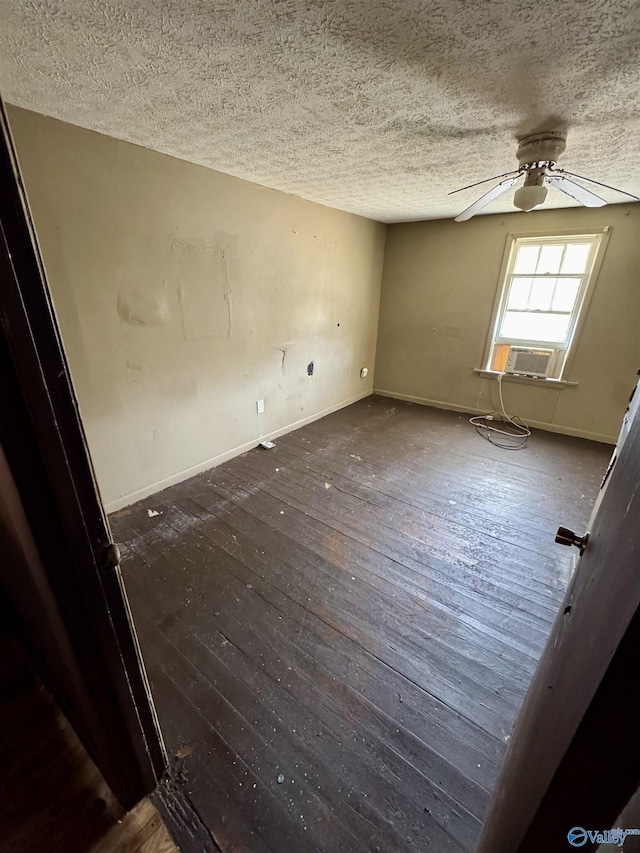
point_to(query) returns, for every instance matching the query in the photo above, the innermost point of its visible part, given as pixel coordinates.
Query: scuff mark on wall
(204, 290)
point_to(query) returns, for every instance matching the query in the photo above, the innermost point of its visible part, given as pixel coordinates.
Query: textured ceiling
(379, 107)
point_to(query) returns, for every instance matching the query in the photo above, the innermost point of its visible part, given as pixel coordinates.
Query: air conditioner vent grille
(529, 362)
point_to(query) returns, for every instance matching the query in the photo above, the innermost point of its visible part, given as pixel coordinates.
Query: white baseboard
(470, 410)
(152, 488)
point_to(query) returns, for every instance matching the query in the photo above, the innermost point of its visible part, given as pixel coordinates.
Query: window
(543, 293)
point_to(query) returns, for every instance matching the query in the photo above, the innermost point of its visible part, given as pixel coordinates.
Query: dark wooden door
(574, 756)
(59, 570)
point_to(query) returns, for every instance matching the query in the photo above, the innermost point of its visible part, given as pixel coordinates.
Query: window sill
(556, 384)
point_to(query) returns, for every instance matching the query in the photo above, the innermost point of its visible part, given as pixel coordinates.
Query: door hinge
(110, 556)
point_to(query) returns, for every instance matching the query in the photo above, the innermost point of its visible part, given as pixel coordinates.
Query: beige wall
(439, 285)
(185, 295)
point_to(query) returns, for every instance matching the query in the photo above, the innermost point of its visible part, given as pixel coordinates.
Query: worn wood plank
(360, 610)
(327, 514)
(371, 676)
(355, 741)
(141, 823)
(179, 814)
(158, 842)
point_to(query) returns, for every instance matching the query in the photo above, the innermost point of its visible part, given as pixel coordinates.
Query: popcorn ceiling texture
(378, 107)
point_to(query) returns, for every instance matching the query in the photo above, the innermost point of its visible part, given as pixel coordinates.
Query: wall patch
(204, 291)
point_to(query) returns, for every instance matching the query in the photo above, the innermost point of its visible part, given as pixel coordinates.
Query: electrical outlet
(364, 373)
(260, 406)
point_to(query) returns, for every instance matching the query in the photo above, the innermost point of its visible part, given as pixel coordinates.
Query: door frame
(43, 439)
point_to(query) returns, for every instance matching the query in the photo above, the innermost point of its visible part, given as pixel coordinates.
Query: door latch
(564, 536)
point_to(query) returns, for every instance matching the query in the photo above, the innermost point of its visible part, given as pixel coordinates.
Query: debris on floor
(268, 445)
(153, 512)
(184, 751)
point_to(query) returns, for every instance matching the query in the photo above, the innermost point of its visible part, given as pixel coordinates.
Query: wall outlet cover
(260, 406)
(364, 372)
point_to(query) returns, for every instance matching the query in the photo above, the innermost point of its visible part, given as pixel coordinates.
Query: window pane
(549, 260)
(519, 294)
(566, 293)
(541, 294)
(575, 257)
(546, 328)
(526, 259)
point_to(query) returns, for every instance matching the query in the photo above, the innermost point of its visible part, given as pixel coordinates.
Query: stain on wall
(139, 308)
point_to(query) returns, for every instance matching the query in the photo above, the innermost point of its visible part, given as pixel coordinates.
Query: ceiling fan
(538, 156)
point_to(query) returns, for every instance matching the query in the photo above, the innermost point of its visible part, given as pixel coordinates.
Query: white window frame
(565, 351)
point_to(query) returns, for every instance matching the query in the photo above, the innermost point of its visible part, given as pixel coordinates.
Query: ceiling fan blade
(563, 172)
(486, 180)
(584, 196)
(484, 200)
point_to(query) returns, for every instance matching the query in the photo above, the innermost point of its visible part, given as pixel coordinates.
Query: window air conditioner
(529, 362)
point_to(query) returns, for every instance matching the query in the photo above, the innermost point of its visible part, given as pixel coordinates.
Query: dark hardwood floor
(339, 632)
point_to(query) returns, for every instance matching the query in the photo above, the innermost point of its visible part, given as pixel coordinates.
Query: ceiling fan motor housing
(535, 154)
(541, 148)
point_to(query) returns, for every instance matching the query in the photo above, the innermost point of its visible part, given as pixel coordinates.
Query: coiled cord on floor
(498, 426)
